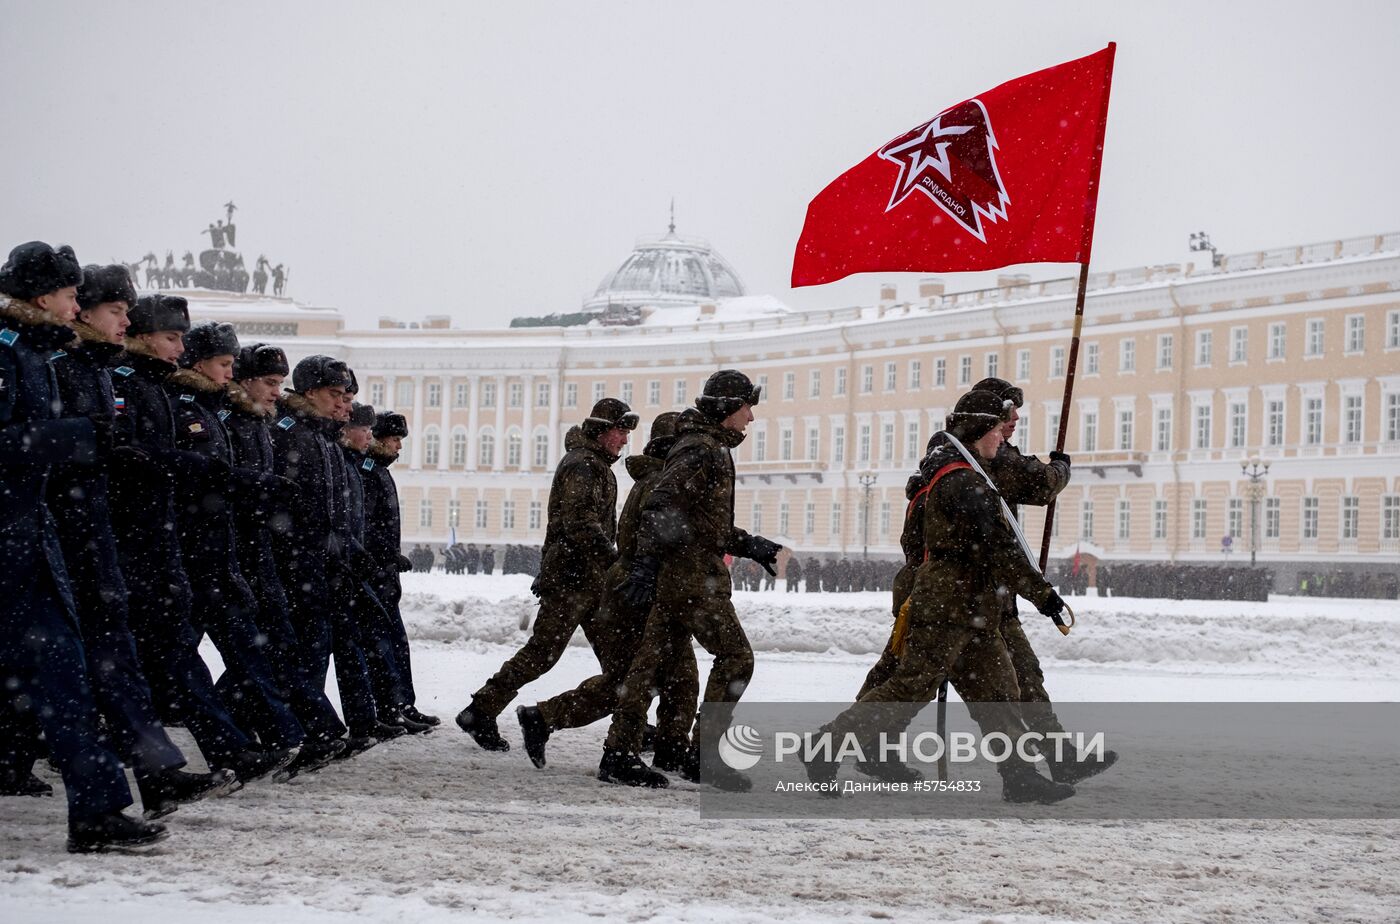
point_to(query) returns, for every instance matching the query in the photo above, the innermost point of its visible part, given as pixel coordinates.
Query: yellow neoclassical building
(1288, 357)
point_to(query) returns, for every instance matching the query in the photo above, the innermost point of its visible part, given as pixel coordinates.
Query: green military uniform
(578, 550)
(615, 631)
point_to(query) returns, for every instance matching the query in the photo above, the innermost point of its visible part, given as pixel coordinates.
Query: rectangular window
(789, 386)
(1392, 330)
(516, 393)
(481, 514)
(1057, 362)
(911, 440)
(488, 394)
(760, 446)
(814, 383)
(1312, 421)
(885, 518)
(542, 394)
(809, 520)
(916, 374)
(541, 450)
(1125, 430)
(454, 513)
(654, 393)
(840, 388)
(1125, 520)
(405, 395)
(1086, 519)
(462, 395)
(835, 522)
(1127, 356)
(425, 513)
(838, 446)
(1159, 519)
(891, 377)
(1204, 339)
(756, 519)
(1166, 347)
(1351, 419)
(1274, 419)
(1310, 518)
(964, 370)
(1202, 428)
(376, 394)
(1392, 417)
(762, 384)
(1390, 517)
(1239, 344)
(680, 397)
(993, 365)
(1351, 516)
(785, 444)
(814, 442)
(863, 443)
(1089, 431)
(1356, 333)
(600, 391)
(1023, 364)
(1273, 518)
(1315, 342)
(1198, 518)
(1234, 527)
(1238, 421)
(783, 519)
(1052, 428)
(535, 513)
(867, 379)
(627, 393)
(508, 515)
(1162, 439)
(571, 394)
(940, 372)
(1278, 334)
(1091, 358)
(887, 442)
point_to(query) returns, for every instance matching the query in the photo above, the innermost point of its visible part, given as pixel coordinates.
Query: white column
(473, 402)
(416, 457)
(527, 422)
(499, 463)
(556, 387)
(445, 448)
(391, 383)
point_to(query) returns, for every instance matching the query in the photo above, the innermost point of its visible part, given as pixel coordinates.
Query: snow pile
(1288, 635)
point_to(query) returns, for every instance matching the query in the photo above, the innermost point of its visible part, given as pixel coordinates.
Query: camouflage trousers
(560, 613)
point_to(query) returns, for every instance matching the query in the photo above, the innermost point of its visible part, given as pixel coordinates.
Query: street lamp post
(867, 481)
(1255, 473)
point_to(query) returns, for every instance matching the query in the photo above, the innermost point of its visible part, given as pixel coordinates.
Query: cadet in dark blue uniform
(41, 655)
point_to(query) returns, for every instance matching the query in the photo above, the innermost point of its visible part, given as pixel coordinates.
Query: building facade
(1290, 357)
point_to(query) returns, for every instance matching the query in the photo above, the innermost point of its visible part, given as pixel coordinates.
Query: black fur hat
(354, 386)
(976, 414)
(320, 371)
(387, 424)
(208, 339)
(609, 413)
(725, 392)
(361, 415)
(35, 269)
(663, 435)
(257, 360)
(1002, 389)
(106, 284)
(158, 312)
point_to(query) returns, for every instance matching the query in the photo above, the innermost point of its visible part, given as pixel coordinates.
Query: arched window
(486, 448)
(513, 445)
(432, 445)
(540, 457)
(459, 448)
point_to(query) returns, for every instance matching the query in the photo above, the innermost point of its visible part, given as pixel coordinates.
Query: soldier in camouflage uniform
(971, 566)
(578, 550)
(615, 631)
(686, 529)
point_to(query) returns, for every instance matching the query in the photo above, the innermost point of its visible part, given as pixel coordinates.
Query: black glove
(1057, 456)
(405, 564)
(101, 436)
(535, 587)
(764, 551)
(1053, 607)
(638, 589)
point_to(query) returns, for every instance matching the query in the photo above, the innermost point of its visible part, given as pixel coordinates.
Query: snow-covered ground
(431, 829)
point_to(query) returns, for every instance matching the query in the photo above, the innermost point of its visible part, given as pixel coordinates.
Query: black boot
(889, 771)
(535, 730)
(648, 738)
(670, 756)
(356, 744)
(399, 718)
(721, 775)
(252, 765)
(628, 770)
(112, 831)
(164, 792)
(1073, 769)
(314, 755)
(23, 783)
(383, 731)
(482, 728)
(1021, 783)
(823, 774)
(420, 717)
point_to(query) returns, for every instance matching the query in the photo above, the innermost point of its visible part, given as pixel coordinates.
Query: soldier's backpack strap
(950, 467)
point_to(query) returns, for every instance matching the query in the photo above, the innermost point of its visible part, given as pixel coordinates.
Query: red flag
(1009, 176)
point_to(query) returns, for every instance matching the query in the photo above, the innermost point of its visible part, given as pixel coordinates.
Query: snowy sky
(494, 159)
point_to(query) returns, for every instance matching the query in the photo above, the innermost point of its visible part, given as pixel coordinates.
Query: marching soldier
(579, 547)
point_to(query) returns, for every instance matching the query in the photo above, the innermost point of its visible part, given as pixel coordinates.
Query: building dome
(667, 271)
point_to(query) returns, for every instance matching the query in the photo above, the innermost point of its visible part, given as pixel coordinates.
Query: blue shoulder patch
(223, 415)
(286, 423)
(123, 371)
(187, 397)
(367, 465)
(8, 337)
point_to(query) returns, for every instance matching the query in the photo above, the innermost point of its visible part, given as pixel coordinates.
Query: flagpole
(1065, 404)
